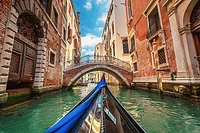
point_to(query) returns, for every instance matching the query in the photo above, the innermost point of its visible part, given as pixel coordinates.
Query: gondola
(98, 112)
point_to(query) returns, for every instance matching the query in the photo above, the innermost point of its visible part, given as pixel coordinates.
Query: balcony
(152, 31)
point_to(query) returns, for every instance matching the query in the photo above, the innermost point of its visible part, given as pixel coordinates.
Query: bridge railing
(104, 60)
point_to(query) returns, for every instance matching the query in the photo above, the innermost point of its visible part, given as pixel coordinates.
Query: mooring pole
(157, 64)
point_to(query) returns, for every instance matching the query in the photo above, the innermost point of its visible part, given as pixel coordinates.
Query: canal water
(155, 115)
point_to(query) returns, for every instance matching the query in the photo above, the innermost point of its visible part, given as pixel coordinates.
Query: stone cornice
(164, 3)
(174, 3)
(149, 6)
(171, 11)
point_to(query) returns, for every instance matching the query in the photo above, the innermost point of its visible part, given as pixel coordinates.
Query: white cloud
(88, 5)
(108, 4)
(88, 51)
(99, 29)
(90, 40)
(102, 1)
(102, 18)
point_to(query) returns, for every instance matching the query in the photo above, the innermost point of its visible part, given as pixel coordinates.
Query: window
(47, 5)
(55, 17)
(161, 57)
(113, 27)
(132, 44)
(76, 44)
(69, 10)
(64, 33)
(52, 57)
(125, 47)
(113, 48)
(135, 68)
(109, 36)
(154, 22)
(130, 13)
(65, 7)
(69, 34)
(111, 9)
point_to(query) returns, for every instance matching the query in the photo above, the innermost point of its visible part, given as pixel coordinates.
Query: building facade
(114, 36)
(32, 43)
(73, 50)
(99, 50)
(172, 25)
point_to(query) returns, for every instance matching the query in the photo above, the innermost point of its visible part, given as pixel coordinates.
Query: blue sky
(92, 16)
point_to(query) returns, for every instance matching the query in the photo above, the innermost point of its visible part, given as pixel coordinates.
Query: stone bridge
(79, 67)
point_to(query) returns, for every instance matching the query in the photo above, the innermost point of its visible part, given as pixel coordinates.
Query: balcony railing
(103, 60)
(152, 31)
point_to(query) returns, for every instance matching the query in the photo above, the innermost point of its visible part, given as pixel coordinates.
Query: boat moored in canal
(98, 112)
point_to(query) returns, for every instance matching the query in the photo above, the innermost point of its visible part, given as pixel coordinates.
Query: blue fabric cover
(65, 124)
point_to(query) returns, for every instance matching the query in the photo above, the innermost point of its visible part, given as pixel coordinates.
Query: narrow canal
(155, 115)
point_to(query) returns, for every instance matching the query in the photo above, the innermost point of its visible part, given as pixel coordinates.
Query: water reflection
(154, 114)
(161, 115)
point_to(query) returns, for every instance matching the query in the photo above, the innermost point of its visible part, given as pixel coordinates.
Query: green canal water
(155, 115)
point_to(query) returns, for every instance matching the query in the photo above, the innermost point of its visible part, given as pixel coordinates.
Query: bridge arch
(123, 76)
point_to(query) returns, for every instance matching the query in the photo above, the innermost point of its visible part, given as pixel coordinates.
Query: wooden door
(22, 67)
(197, 45)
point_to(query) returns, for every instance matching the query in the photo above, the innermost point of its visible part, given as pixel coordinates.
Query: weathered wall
(139, 24)
(4, 10)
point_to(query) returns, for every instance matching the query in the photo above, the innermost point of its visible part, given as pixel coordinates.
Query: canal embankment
(155, 115)
(183, 91)
(18, 96)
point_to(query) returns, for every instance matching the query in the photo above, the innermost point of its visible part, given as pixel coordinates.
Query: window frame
(135, 71)
(130, 10)
(113, 28)
(150, 25)
(64, 34)
(55, 17)
(127, 47)
(52, 51)
(113, 49)
(166, 58)
(134, 48)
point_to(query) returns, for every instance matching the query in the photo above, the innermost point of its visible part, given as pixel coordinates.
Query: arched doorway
(195, 27)
(23, 59)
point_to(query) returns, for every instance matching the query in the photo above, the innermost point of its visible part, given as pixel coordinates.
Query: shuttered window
(132, 44)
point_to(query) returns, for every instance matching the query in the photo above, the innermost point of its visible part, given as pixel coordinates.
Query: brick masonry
(140, 25)
(4, 10)
(45, 74)
(72, 75)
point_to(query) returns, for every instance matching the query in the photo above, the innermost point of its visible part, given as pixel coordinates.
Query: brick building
(174, 26)
(33, 43)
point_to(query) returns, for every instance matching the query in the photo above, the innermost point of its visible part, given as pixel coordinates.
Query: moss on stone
(3, 97)
(16, 98)
(46, 89)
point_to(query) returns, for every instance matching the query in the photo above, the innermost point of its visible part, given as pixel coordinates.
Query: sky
(93, 15)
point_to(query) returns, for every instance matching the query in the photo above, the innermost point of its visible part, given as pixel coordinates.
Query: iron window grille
(154, 22)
